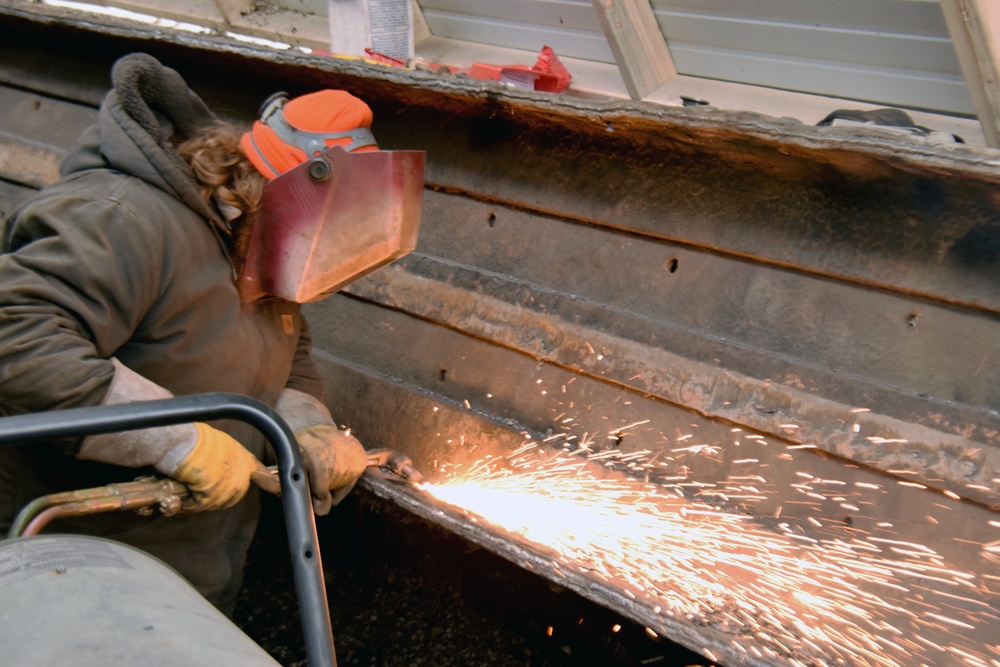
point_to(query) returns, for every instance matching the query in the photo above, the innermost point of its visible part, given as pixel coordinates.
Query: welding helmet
(335, 206)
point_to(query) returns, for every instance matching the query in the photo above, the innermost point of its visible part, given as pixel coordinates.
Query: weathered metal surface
(35, 131)
(795, 356)
(636, 275)
(434, 420)
(882, 218)
(953, 462)
(27, 164)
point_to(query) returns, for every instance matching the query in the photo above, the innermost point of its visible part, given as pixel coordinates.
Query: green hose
(25, 516)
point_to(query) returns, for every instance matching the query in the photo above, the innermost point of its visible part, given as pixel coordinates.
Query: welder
(125, 281)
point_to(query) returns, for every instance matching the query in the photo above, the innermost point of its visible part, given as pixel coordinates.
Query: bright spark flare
(816, 602)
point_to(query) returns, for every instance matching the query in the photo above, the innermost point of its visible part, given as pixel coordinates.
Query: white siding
(895, 52)
(570, 27)
(891, 52)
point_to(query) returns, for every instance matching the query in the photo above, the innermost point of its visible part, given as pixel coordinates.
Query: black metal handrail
(295, 497)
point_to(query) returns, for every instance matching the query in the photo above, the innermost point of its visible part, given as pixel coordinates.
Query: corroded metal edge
(626, 114)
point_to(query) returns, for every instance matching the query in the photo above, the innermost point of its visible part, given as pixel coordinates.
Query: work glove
(334, 461)
(215, 467)
(216, 471)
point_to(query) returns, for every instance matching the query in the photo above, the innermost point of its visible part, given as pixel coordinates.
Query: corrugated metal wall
(892, 52)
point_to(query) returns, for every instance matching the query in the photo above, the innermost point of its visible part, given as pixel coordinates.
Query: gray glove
(334, 459)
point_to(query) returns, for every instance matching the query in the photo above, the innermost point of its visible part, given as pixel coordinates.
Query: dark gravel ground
(404, 591)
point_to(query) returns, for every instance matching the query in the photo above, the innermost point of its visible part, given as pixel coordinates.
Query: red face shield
(333, 219)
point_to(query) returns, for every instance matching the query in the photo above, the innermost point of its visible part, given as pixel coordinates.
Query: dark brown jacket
(122, 258)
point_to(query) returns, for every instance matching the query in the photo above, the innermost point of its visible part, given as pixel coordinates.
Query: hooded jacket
(122, 258)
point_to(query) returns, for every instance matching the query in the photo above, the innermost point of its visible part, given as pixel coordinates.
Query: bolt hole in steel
(442, 375)
(912, 320)
(491, 219)
(672, 264)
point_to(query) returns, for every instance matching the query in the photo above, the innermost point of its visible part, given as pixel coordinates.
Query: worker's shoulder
(119, 189)
(101, 202)
(105, 196)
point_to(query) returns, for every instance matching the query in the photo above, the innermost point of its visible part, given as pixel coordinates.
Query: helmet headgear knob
(319, 169)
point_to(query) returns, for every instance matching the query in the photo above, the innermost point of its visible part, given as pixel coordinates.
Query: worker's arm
(76, 277)
(304, 376)
(215, 467)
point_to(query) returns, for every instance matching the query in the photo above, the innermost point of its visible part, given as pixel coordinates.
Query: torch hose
(44, 518)
(27, 513)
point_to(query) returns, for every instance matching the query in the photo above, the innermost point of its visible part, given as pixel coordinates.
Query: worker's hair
(225, 176)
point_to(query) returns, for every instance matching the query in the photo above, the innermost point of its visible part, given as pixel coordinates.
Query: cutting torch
(147, 495)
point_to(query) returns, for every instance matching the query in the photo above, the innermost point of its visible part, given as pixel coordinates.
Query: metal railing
(295, 497)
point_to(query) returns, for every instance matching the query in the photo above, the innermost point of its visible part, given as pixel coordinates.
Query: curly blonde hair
(225, 177)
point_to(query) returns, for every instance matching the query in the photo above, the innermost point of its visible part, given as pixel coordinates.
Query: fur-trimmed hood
(149, 108)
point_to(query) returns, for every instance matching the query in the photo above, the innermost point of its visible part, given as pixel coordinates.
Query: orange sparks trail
(807, 601)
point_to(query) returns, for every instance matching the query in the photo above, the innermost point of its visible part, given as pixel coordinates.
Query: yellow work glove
(216, 471)
(334, 461)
